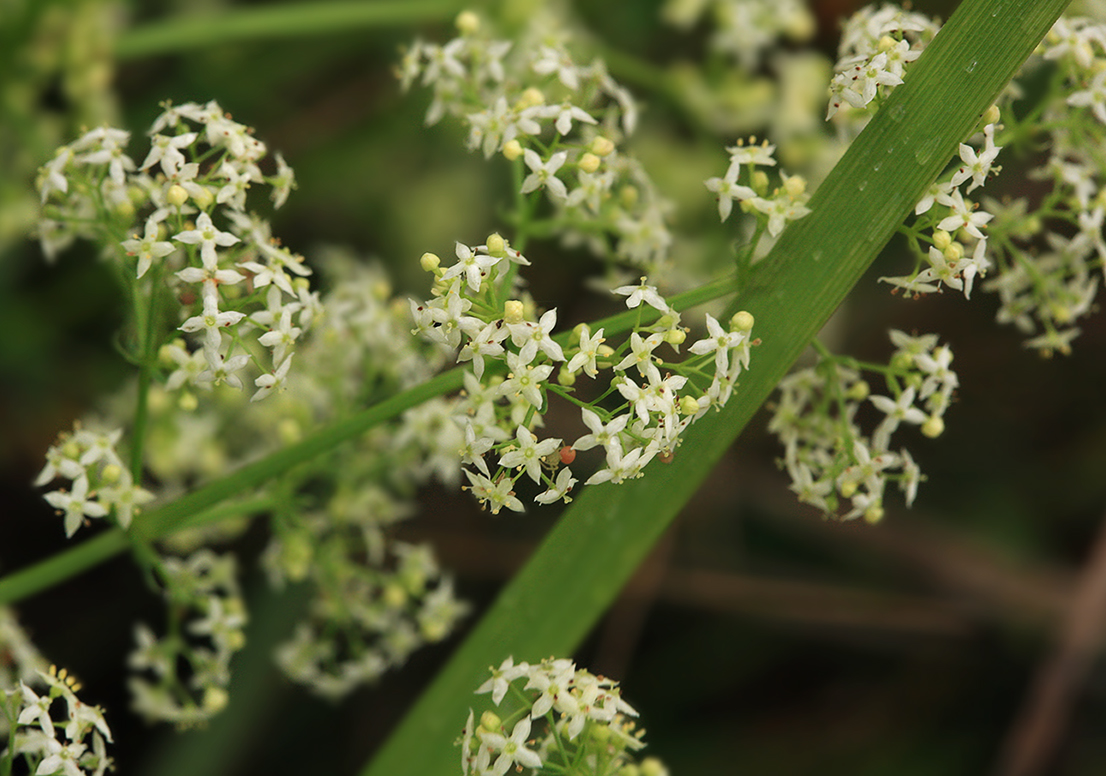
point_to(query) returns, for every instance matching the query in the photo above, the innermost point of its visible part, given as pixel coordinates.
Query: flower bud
(991, 115)
(795, 186)
(933, 427)
(513, 311)
(497, 246)
(467, 22)
(759, 179)
(203, 198)
(176, 196)
(858, 391)
(688, 405)
(512, 150)
(873, 514)
(941, 239)
(430, 262)
(531, 97)
(490, 721)
(601, 146)
(215, 699)
(565, 377)
(188, 402)
(589, 163)
(742, 321)
(675, 336)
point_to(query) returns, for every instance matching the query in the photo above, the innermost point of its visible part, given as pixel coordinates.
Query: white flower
(273, 381)
(76, 504)
(601, 434)
(529, 453)
(531, 337)
(643, 292)
(544, 174)
(502, 678)
(148, 248)
(525, 380)
(498, 494)
(513, 751)
(718, 342)
(472, 265)
(560, 488)
(727, 189)
(589, 351)
(208, 237)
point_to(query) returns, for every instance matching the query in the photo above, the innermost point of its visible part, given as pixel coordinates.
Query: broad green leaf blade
(579, 569)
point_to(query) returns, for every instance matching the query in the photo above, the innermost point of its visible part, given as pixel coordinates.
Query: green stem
(291, 20)
(187, 509)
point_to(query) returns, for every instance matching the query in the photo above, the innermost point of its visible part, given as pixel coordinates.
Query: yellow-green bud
(565, 377)
(430, 262)
(688, 405)
(941, 239)
(394, 595)
(858, 391)
(188, 402)
(215, 699)
(467, 22)
(297, 552)
(124, 208)
(873, 514)
(742, 321)
(886, 43)
(497, 246)
(531, 97)
(177, 195)
(651, 766)
(933, 427)
(795, 186)
(111, 473)
(490, 721)
(289, 431)
(848, 488)
(759, 179)
(203, 198)
(600, 734)
(604, 351)
(675, 336)
(628, 196)
(513, 311)
(991, 115)
(955, 252)
(601, 146)
(512, 149)
(589, 163)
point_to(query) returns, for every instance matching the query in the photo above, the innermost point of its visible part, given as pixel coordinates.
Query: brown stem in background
(1032, 741)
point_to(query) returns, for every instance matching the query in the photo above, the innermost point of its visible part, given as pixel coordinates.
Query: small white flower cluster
(827, 454)
(205, 586)
(747, 185)
(586, 722)
(1046, 286)
(745, 29)
(953, 224)
(876, 46)
(497, 416)
(71, 742)
(368, 617)
(531, 101)
(190, 197)
(100, 483)
(374, 600)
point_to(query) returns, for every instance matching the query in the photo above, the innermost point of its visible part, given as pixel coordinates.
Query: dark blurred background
(758, 638)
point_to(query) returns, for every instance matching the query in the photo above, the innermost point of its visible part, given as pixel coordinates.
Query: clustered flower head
(52, 729)
(827, 454)
(180, 223)
(559, 719)
(745, 184)
(182, 677)
(952, 224)
(744, 29)
(561, 122)
(652, 398)
(877, 45)
(100, 484)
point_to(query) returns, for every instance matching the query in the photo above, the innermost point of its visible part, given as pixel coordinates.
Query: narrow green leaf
(269, 22)
(579, 569)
